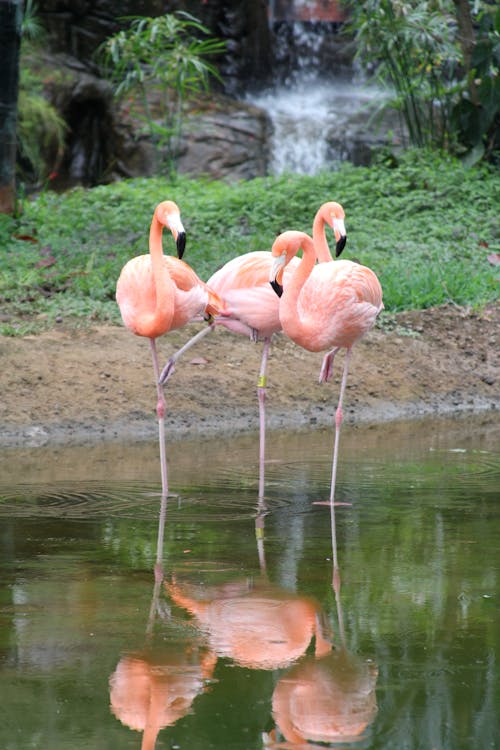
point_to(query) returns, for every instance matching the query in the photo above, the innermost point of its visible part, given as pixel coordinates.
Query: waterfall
(320, 114)
(315, 124)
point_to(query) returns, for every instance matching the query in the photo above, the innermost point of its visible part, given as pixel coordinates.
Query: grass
(425, 226)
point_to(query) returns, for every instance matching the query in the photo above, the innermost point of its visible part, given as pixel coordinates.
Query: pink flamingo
(250, 309)
(324, 307)
(331, 214)
(157, 293)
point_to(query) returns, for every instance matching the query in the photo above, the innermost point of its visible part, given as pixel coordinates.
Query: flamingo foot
(167, 371)
(169, 368)
(327, 366)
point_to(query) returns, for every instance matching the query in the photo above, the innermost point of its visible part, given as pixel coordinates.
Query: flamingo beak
(340, 245)
(340, 235)
(174, 223)
(279, 263)
(278, 288)
(180, 244)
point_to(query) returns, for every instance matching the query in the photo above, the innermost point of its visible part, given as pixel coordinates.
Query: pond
(235, 638)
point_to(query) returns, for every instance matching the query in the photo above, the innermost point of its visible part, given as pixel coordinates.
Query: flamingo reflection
(325, 698)
(153, 689)
(254, 622)
(155, 686)
(330, 699)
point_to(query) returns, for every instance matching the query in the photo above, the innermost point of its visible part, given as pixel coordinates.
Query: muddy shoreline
(72, 386)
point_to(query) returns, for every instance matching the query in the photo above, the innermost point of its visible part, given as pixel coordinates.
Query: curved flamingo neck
(164, 286)
(291, 322)
(155, 240)
(323, 253)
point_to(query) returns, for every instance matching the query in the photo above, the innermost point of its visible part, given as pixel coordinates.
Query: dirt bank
(79, 386)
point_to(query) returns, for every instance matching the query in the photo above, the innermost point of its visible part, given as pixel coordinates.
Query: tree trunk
(10, 43)
(467, 38)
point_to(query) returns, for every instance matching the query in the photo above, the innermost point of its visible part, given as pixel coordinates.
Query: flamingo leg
(327, 367)
(261, 394)
(160, 411)
(169, 368)
(338, 421)
(259, 534)
(159, 544)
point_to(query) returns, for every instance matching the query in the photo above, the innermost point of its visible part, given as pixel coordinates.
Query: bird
(331, 213)
(157, 293)
(324, 307)
(250, 308)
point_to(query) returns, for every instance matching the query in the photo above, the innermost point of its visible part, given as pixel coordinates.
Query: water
(316, 123)
(321, 111)
(245, 643)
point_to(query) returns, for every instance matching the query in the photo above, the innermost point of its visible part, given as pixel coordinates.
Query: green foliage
(40, 128)
(426, 227)
(476, 116)
(416, 48)
(167, 55)
(32, 27)
(40, 134)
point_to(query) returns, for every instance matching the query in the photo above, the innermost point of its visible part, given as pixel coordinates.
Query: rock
(228, 142)
(223, 138)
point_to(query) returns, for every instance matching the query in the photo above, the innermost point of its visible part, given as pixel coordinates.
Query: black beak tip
(340, 245)
(181, 244)
(277, 288)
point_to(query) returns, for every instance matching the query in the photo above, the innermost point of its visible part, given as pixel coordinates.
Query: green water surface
(243, 642)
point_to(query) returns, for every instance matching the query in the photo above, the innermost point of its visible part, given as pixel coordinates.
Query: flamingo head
(284, 248)
(334, 216)
(167, 213)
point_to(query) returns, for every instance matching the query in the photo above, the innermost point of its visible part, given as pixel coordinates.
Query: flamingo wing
(136, 298)
(243, 283)
(243, 272)
(342, 299)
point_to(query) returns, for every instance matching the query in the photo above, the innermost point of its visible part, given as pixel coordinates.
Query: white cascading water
(315, 119)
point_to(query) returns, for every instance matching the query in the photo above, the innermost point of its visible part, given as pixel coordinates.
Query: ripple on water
(230, 500)
(78, 500)
(293, 482)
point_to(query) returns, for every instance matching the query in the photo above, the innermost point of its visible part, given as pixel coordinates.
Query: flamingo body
(149, 313)
(328, 305)
(249, 303)
(324, 307)
(336, 306)
(265, 628)
(158, 293)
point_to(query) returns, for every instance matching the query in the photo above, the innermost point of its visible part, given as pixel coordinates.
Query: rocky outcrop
(229, 142)
(222, 138)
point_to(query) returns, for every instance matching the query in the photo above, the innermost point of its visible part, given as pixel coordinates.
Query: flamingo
(250, 310)
(158, 293)
(324, 307)
(331, 214)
